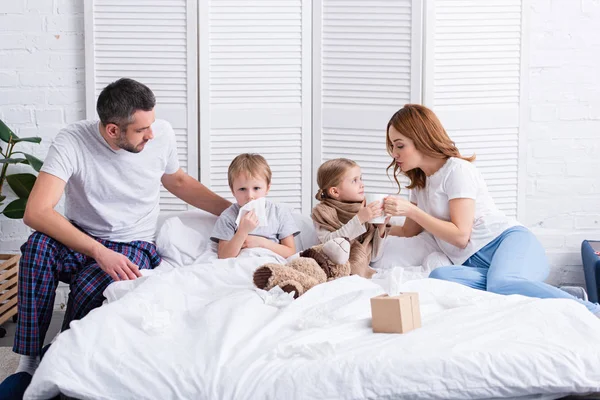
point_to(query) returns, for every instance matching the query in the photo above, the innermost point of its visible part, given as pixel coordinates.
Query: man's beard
(122, 143)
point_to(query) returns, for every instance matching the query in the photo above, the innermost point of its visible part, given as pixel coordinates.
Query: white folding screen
(472, 81)
(366, 65)
(304, 81)
(155, 43)
(255, 77)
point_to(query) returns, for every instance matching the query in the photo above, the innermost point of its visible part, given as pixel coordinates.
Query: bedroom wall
(41, 80)
(42, 89)
(563, 131)
(41, 84)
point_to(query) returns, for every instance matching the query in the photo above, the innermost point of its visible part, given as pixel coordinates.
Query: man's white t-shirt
(455, 180)
(112, 194)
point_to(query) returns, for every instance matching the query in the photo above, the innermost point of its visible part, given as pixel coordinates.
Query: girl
(450, 200)
(342, 213)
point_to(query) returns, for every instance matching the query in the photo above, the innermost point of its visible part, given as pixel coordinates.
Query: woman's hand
(398, 206)
(370, 211)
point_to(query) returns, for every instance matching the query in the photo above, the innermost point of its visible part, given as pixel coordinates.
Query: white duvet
(203, 332)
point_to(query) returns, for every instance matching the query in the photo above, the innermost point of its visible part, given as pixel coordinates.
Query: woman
(450, 200)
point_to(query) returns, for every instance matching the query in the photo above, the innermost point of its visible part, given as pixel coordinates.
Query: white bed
(196, 328)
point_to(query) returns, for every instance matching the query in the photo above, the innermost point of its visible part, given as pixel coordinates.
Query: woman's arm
(457, 231)
(409, 229)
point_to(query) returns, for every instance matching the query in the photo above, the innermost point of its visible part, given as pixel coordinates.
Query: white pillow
(183, 236)
(406, 252)
(308, 234)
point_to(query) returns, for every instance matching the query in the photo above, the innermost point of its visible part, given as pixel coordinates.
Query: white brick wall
(41, 82)
(41, 79)
(42, 88)
(563, 169)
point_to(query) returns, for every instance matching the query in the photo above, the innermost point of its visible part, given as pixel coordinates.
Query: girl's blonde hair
(330, 174)
(422, 126)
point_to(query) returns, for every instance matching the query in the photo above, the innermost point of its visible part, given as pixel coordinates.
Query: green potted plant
(20, 183)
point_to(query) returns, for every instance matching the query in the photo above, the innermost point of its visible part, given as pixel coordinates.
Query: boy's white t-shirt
(460, 179)
(112, 194)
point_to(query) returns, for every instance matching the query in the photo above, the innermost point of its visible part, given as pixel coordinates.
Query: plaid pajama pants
(45, 262)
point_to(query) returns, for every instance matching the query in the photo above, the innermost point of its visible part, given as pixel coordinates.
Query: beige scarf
(331, 214)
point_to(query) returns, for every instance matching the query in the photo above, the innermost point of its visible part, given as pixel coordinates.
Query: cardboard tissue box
(396, 314)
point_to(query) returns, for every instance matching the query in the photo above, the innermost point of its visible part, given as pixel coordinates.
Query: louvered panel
(496, 152)
(256, 73)
(153, 42)
(267, 36)
(279, 146)
(168, 202)
(473, 85)
(366, 53)
(369, 63)
(477, 53)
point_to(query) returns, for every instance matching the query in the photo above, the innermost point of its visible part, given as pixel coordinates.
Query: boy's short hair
(254, 165)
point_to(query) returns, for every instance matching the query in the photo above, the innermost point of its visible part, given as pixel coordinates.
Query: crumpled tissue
(259, 207)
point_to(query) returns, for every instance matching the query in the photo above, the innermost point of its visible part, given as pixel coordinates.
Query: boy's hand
(373, 210)
(253, 241)
(249, 222)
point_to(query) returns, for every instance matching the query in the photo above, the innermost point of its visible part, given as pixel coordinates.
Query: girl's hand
(381, 227)
(397, 206)
(370, 211)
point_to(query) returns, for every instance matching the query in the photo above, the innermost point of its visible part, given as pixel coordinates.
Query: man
(110, 171)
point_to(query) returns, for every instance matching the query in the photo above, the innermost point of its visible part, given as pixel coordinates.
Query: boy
(249, 178)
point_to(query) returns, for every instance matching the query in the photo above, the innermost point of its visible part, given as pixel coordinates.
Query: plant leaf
(35, 162)
(6, 132)
(35, 139)
(2, 197)
(21, 184)
(15, 209)
(12, 160)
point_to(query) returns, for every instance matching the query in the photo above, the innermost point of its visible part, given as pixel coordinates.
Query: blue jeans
(513, 263)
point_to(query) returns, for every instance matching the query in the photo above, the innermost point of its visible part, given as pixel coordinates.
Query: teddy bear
(317, 264)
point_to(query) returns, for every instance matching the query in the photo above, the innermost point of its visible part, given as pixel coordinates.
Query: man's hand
(373, 210)
(254, 241)
(249, 222)
(117, 265)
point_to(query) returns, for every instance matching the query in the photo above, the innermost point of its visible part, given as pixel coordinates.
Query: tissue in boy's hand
(259, 207)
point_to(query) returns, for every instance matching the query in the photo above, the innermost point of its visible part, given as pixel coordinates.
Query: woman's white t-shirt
(460, 179)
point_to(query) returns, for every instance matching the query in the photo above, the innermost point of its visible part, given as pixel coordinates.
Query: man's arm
(41, 216)
(193, 192)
